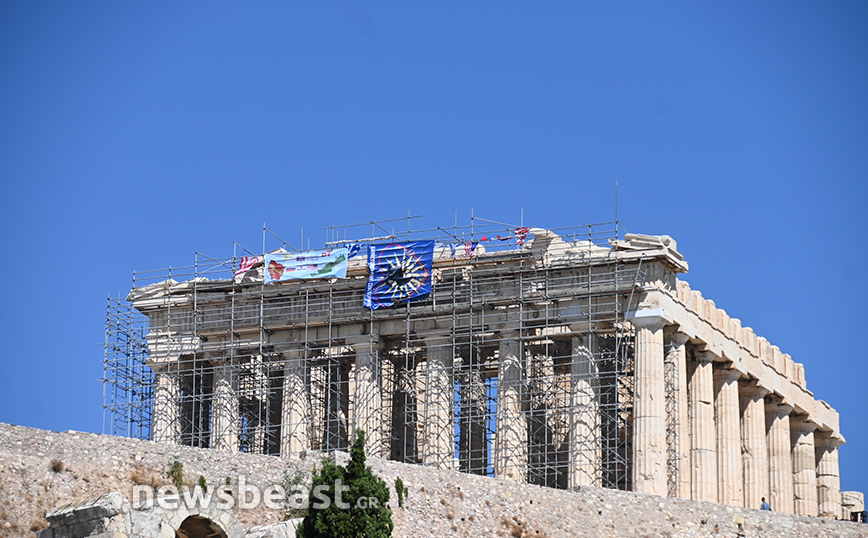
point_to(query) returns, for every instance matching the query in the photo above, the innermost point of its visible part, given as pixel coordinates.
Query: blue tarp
(400, 273)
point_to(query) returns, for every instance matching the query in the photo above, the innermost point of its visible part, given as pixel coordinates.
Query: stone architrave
(649, 407)
(828, 474)
(584, 433)
(703, 445)
(804, 467)
(166, 417)
(438, 448)
(295, 428)
(224, 409)
(754, 448)
(367, 400)
(510, 442)
(780, 456)
(730, 474)
(677, 356)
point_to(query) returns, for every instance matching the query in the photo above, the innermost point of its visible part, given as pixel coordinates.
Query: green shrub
(176, 474)
(363, 519)
(291, 484)
(401, 490)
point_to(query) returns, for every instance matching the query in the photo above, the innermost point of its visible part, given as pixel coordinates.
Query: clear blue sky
(133, 134)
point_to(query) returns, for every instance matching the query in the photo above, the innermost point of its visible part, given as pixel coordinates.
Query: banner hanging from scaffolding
(280, 267)
(400, 273)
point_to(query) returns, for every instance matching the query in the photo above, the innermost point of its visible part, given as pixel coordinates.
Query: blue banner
(400, 273)
(311, 264)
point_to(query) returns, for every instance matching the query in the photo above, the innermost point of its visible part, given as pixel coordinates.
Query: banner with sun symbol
(400, 273)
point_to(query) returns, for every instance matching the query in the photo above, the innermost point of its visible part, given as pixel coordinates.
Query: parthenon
(564, 358)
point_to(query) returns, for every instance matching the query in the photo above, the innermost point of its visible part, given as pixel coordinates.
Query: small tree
(368, 515)
(401, 490)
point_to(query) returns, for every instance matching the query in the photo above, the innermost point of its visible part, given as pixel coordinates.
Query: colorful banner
(311, 264)
(246, 263)
(400, 273)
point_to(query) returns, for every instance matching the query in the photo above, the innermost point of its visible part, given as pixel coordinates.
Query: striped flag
(246, 263)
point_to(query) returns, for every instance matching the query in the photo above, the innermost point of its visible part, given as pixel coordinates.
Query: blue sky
(133, 134)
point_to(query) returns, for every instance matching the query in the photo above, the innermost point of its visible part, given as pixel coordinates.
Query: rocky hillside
(40, 470)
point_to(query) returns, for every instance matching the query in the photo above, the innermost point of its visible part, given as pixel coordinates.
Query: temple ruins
(563, 358)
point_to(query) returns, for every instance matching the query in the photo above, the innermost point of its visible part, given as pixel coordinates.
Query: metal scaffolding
(518, 364)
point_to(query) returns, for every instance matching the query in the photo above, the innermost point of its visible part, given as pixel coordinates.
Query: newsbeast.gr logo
(247, 497)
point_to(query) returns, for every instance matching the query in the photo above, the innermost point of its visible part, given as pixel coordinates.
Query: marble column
(166, 418)
(730, 473)
(584, 429)
(295, 413)
(510, 442)
(703, 446)
(367, 402)
(649, 408)
(828, 474)
(224, 410)
(804, 467)
(438, 438)
(677, 357)
(780, 456)
(754, 448)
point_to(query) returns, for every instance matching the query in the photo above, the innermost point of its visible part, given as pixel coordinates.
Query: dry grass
(57, 466)
(513, 525)
(145, 479)
(38, 525)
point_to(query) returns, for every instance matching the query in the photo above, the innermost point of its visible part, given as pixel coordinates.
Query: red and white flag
(246, 263)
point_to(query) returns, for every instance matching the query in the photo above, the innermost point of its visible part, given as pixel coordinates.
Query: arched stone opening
(199, 527)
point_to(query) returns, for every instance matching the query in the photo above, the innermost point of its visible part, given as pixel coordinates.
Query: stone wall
(40, 470)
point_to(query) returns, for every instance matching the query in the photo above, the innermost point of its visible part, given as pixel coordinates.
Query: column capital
(678, 339)
(752, 390)
(289, 354)
(802, 424)
(828, 440)
(509, 333)
(647, 319)
(705, 356)
(778, 407)
(727, 373)
(363, 340)
(437, 338)
(160, 368)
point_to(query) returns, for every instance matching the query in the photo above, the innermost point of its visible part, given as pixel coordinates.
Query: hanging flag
(400, 273)
(521, 235)
(303, 265)
(246, 263)
(469, 247)
(353, 249)
(451, 250)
